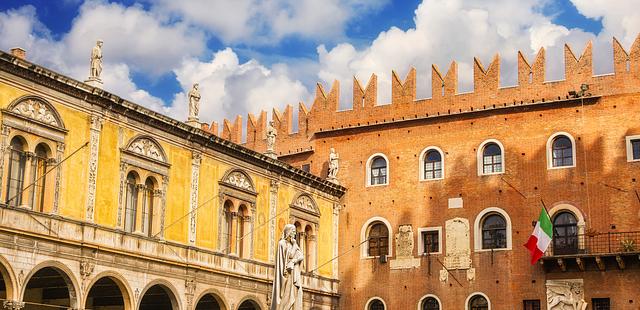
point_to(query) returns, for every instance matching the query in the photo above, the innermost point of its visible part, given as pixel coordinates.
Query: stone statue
(271, 137)
(194, 102)
(96, 61)
(333, 165)
(287, 285)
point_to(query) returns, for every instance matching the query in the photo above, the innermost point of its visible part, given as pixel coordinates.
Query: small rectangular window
(532, 304)
(600, 304)
(430, 241)
(635, 146)
(306, 167)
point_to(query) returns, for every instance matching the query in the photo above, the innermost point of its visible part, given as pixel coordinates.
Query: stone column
(163, 205)
(273, 205)
(94, 146)
(193, 201)
(336, 219)
(4, 147)
(121, 196)
(56, 191)
(233, 234)
(27, 181)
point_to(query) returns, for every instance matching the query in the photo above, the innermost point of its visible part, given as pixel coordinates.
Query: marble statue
(287, 285)
(96, 61)
(334, 165)
(194, 101)
(271, 137)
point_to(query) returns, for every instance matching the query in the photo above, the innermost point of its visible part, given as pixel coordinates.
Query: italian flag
(541, 237)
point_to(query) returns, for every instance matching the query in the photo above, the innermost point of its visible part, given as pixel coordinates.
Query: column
(336, 218)
(56, 191)
(121, 196)
(27, 182)
(94, 146)
(273, 205)
(193, 201)
(233, 234)
(4, 146)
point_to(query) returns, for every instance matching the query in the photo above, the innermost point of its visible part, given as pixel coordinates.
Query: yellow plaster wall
(108, 182)
(8, 94)
(211, 172)
(261, 231)
(325, 237)
(176, 219)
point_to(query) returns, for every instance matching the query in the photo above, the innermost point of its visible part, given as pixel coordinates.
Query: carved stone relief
(273, 204)
(146, 147)
(94, 144)
(4, 146)
(56, 195)
(458, 250)
(123, 179)
(471, 274)
(13, 305)
(565, 294)
(189, 291)
(238, 179)
(193, 201)
(444, 275)
(306, 203)
(37, 110)
(404, 249)
(86, 269)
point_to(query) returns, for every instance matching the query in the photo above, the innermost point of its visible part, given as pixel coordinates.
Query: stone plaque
(455, 203)
(565, 294)
(458, 249)
(404, 249)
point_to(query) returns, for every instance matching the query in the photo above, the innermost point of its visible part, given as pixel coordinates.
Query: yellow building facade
(108, 205)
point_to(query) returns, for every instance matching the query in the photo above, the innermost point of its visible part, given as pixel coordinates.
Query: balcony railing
(594, 244)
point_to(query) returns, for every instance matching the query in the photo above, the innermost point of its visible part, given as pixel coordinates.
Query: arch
(368, 172)
(304, 202)
(64, 272)
(250, 300)
(217, 295)
(38, 109)
(364, 246)
(477, 228)
(550, 141)
(466, 302)
(239, 178)
(429, 296)
(372, 299)
(168, 288)
(423, 154)
(480, 157)
(9, 278)
(147, 146)
(119, 280)
(561, 206)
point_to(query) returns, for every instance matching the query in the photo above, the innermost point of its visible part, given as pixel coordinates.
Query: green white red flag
(541, 237)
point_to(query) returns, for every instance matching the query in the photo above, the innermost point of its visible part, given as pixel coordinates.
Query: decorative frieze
(146, 148)
(239, 179)
(273, 205)
(193, 201)
(94, 146)
(36, 109)
(60, 146)
(4, 147)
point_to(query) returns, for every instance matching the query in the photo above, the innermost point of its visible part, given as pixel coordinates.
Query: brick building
(442, 192)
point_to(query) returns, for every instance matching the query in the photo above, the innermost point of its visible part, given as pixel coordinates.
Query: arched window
(147, 206)
(309, 248)
(17, 163)
(38, 176)
(242, 239)
(478, 302)
(228, 227)
(430, 303)
(494, 232)
(378, 239)
(491, 158)
(376, 304)
(432, 165)
(565, 233)
(131, 202)
(562, 152)
(378, 171)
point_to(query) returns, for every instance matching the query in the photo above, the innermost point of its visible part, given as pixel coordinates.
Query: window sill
(431, 180)
(374, 257)
(377, 185)
(490, 174)
(561, 167)
(432, 253)
(633, 160)
(493, 250)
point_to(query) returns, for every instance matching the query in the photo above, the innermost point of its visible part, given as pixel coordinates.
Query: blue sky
(252, 55)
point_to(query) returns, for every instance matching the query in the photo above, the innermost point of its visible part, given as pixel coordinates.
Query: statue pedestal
(271, 154)
(193, 121)
(95, 82)
(333, 180)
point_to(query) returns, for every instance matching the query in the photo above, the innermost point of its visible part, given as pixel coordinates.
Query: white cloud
(229, 88)
(257, 22)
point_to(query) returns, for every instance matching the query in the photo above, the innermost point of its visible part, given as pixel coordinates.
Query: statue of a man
(271, 137)
(194, 101)
(287, 285)
(333, 164)
(96, 61)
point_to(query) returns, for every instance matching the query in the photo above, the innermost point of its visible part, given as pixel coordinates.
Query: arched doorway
(158, 297)
(49, 288)
(210, 302)
(565, 233)
(249, 305)
(106, 294)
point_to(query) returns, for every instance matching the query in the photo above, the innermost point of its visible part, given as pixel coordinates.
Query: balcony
(593, 251)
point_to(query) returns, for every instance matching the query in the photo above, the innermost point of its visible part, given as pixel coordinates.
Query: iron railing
(595, 243)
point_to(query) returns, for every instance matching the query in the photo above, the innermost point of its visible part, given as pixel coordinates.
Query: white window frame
(630, 148)
(421, 163)
(427, 296)
(550, 150)
(477, 229)
(466, 302)
(366, 305)
(364, 231)
(421, 240)
(368, 172)
(480, 157)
